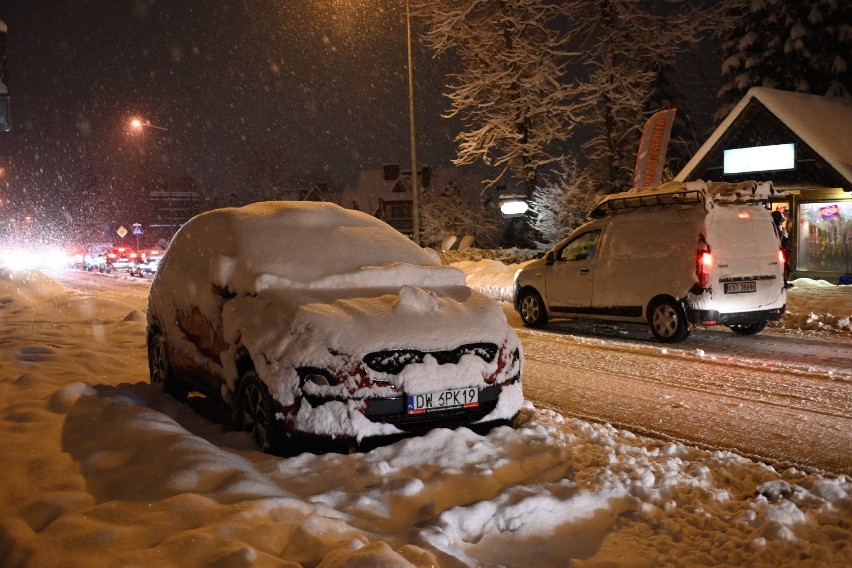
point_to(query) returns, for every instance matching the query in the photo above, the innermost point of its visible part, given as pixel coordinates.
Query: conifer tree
(803, 46)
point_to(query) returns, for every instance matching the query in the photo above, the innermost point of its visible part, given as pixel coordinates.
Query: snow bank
(101, 469)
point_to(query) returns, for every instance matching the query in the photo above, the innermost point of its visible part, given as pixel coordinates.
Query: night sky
(321, 83)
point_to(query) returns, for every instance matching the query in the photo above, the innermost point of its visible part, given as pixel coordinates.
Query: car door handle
(585, 270)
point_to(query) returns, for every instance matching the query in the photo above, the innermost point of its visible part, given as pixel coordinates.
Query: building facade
(803, 144)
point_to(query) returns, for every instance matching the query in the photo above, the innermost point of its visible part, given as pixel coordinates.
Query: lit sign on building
(513, 206)
(760, 159)
(829, 211)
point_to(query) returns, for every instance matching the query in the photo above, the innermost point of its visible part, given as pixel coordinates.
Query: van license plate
(740, 287)
(443, 400)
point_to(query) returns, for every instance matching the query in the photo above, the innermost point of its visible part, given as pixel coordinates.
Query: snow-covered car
(75, 257)
(146, 262)
(322, 328)
(95, 257)
(119, 259)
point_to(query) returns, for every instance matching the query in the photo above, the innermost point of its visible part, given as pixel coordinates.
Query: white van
(674, 255)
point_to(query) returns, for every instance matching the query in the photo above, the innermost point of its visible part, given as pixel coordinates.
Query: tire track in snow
(792, 415)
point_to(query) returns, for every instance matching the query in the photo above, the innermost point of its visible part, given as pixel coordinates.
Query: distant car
(95, 256)
(75, 257)
(119, 259)
(320, 328)
(147, 262)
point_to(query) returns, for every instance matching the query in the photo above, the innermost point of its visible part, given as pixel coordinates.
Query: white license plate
(740, 287)
(443, 400)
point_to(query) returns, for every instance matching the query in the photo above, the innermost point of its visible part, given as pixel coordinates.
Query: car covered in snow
(95, 256)
(147, 261)
(119, 259)
(321, 328)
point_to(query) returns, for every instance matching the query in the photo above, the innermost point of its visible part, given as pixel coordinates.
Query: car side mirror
(549, 258)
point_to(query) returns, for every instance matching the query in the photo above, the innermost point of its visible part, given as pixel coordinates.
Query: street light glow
(514, 207)
(138, 124)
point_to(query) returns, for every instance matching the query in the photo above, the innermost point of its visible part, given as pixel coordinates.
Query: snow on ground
(102, 469)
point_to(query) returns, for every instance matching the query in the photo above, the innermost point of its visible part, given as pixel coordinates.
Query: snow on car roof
(299, 242)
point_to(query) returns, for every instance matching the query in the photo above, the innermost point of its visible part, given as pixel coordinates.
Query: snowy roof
(823, 123)
(373, 187)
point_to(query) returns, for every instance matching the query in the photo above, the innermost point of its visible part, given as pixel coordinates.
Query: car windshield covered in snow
(316, 324)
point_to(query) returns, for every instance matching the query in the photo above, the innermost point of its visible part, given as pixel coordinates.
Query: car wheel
(748, 329)
(667, 319)
(255, 411)
(160, 367)
(531, 308)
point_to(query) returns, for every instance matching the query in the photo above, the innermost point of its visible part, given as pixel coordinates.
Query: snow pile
(817, 305)
(102, 469)
(491, 277)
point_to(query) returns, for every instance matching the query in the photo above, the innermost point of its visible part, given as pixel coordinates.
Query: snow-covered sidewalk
(101, 469)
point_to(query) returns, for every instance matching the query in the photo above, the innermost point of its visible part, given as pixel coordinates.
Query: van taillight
(703, 264)
(782, 258)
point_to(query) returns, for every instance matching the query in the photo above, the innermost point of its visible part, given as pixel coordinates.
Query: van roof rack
(682, 193)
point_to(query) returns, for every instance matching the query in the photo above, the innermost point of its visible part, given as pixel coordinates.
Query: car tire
(532, 309)
(667, 319)
(254, 410)
(160, 367)
(748, 329)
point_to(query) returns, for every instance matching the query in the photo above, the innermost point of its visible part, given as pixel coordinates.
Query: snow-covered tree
(511, 90)
(561, 203)
(803, 46)
(446, 212)
(627, 48)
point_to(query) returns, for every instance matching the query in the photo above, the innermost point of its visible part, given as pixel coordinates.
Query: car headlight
(316, 376)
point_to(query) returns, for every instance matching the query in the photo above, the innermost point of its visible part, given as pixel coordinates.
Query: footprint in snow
(34, 354)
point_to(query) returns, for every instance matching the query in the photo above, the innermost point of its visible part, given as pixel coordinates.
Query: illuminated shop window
(825, 237)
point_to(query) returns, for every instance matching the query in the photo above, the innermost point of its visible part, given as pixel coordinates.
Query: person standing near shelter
(786, 244)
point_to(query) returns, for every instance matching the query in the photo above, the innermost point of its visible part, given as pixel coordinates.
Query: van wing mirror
(549, 258)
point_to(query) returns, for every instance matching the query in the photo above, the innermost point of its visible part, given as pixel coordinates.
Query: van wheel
(667, 319)
(531, 308)
(254, 411)
(748, 329)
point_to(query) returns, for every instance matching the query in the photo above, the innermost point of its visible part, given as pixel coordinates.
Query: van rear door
(748, 272)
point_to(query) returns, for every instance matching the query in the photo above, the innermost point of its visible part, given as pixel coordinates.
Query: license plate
(443, 400)
(740, 287)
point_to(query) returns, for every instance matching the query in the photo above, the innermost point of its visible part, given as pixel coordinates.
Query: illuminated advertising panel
(760, 159)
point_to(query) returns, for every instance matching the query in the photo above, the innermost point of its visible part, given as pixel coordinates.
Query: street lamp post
(139, 124)
(415, 206)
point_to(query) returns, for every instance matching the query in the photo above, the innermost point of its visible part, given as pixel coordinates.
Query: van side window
(581, 248)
